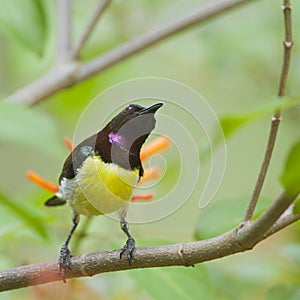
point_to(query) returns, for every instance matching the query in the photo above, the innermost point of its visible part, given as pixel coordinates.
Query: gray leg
(130, 243)
(65, 254)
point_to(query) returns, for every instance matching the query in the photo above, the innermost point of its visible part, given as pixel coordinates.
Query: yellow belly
(100, 188)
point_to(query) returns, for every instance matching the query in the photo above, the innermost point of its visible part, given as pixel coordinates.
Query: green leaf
(29, 127)
(286, 292)
(290, 178)
(25, 21)
(221, 216)
(25, 213)
(230, 123)
(175, 282)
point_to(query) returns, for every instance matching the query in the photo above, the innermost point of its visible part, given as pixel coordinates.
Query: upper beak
(152, 109)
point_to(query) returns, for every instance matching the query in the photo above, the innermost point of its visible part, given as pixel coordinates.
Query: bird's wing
(76, 158)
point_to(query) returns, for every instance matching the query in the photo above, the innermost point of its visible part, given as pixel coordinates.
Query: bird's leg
(65, 254)
(130, 244)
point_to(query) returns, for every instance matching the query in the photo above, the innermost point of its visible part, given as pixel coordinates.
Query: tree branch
(90, 27)
(185, 254)
(240, 239)
(63, 30)
(287, 44)
(252, 232)
(90, 264)
(276, 118)
(264, 168)
(280, 224)
(59, 79)
(155, 36)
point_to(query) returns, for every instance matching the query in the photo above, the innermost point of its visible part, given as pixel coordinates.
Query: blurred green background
(234, 62)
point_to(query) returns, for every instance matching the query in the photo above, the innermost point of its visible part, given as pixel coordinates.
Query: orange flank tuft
(145, 197)
(68, 142)
(158, 145)
(39, 180)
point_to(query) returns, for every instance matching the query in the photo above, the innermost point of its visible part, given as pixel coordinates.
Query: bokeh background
(233, 61)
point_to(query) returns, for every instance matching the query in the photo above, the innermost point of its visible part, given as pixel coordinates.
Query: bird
(99, 175)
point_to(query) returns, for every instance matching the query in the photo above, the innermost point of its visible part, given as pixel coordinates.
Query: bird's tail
(55, 201)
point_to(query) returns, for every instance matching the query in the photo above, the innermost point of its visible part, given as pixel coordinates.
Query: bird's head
(127, 131)
(134, 116)
(130, 128)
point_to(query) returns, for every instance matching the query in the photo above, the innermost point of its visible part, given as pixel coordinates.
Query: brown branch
(281, 223)
(90, 264)
(59, 78)
(276, 118)
(243, 238)
(185, 254)
(63, 30)
(287, 44)
(252, 232)
(264, 168)
(151, 38)
(89, 28)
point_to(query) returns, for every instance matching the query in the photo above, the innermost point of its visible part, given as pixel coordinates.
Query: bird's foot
(129, 247)
(64, 261)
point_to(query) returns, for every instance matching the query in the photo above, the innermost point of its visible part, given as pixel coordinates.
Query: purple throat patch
(115, 138)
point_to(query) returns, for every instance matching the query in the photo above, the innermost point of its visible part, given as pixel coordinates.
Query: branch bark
(251, 232)
(94, 263)
(90, 27)
(240, 239)
(276, 118)
(287, 44)
(283, 222)
(63, 30)
(67, 75)
(155, 36)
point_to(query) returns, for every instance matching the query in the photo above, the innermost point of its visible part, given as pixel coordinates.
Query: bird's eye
(127, 108)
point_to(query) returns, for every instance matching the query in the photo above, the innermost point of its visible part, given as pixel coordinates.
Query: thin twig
(155, 36)
(276, 118)
(281, 223)
(287, 44)
(263, 170)
(184, 254)
(37, 91)
(64, 25)
(252, 232)
(89, 28)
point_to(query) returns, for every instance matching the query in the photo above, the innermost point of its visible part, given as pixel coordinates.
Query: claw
(64, 261)
(129, 246)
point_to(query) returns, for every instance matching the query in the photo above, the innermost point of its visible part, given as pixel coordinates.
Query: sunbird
(99, 175)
